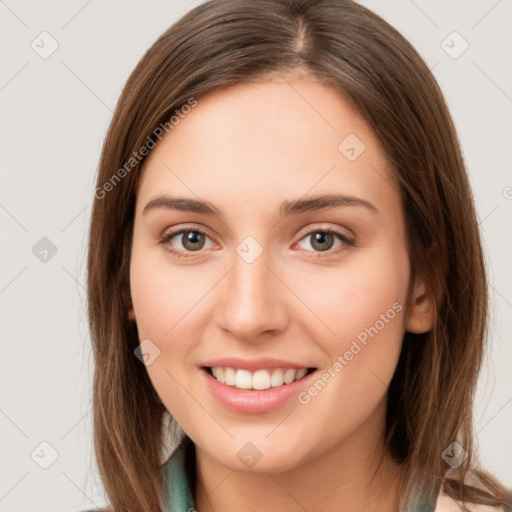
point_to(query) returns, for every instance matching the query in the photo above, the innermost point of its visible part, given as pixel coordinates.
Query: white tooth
(220, 375)
(230, 376)
(243, 379)
(301, 373)
(277, 378)
(289, 376)
(261, 379)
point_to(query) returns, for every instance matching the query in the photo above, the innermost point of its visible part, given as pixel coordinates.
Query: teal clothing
(179, 474)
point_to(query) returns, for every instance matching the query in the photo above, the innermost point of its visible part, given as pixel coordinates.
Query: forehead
(272, 137)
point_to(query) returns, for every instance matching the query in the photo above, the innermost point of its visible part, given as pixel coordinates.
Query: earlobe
(421, 310)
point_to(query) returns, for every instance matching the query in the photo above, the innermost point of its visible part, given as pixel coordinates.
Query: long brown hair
(340, 43)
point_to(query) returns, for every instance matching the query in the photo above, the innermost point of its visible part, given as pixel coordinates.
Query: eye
(191, 240)
(323, 240)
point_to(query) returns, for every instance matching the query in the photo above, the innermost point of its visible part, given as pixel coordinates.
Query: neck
(355, 475)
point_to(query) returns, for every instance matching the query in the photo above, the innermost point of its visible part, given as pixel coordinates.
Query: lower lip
(251, 400)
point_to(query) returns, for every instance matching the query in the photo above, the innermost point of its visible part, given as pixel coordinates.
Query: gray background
(55, 112)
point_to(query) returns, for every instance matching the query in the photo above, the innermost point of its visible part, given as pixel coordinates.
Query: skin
(246, 149)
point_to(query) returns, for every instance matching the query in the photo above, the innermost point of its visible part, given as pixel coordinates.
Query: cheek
(362, 310)
(162, 296)
(365, 296)
(165, 303)
(364, 313)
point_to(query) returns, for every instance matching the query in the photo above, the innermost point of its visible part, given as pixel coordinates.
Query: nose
(252, 301)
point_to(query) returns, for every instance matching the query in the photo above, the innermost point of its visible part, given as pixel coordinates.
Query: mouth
(258, 380)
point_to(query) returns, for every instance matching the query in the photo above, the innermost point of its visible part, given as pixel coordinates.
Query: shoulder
(446, 504)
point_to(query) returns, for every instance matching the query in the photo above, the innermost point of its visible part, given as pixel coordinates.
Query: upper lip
(262, 363)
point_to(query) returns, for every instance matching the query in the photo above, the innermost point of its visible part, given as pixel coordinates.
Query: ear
(131, 312)
(421, 309)
(127, 299)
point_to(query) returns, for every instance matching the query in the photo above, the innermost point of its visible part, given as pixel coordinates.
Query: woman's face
(245, 283)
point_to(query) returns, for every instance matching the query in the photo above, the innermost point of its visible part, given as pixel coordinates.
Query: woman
(284, 264)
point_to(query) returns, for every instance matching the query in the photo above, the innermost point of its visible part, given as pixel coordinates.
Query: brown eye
(327, 241)
(192, 240)
(186, 242)
(322, 241)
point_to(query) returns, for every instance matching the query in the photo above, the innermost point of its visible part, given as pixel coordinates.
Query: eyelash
(349, 242)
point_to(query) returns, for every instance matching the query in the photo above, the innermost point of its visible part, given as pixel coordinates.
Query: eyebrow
(287, 208)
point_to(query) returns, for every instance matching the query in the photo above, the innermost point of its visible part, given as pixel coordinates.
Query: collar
(179, 481)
